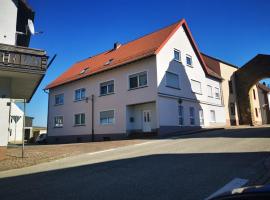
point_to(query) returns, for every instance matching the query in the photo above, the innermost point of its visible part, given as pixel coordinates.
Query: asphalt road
(187, 167)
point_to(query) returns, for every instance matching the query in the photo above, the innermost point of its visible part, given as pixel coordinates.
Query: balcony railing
(22, 58)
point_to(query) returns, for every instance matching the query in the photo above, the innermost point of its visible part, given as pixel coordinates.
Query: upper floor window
(230, 87)
(177, 55)
(80, 94)
(59, 99)
(196, 87)
(217, 94)
(254, 94)
(209, 91)
(107, 88)
(58, 121)
(180, 115)
(256, 111)
(189, 60)
(79, 119)
(138, 80)
(107, 117)
(172, 80)
(192, 116)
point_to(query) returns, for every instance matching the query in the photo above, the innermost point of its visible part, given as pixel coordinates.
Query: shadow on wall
(160, 176)
(179, 107)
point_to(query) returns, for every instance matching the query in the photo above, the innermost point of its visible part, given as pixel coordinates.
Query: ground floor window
(232, 108)
(79, 119)
(107, 117)
(212, 116)
(58, 121)
(192, 116)
(201, 117)
(181, 115)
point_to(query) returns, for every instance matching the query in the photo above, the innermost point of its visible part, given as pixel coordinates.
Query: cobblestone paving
(36, 154)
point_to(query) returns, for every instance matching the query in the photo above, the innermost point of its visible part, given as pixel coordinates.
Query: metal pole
(24, 110)
(93, 133)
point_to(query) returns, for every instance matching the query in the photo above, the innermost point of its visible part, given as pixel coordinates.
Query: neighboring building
(157, 83)
(37, 130)
(21, 68)
(226, 71)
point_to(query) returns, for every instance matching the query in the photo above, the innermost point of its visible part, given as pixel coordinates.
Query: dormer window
(84, 70)
(108, 62)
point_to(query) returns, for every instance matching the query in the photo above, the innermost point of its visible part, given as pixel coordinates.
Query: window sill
(76, 125)
(138, 87)
(58, 104)
(176, 88)
(77, 100)
(58, 127)
(210, 97)
(179, 61)
(102, 95)
(190, 66)
(197, 93)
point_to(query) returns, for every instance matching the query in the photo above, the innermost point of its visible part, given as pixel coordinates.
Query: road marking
(233, 184)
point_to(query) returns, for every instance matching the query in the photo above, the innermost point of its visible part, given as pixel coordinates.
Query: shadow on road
(161, 176)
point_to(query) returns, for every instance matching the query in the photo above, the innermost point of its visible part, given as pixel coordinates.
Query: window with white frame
(138, 80)
(58, 121)
(196, 87)
(107, 88)
(79, 119)
(180, 115)
(172, 80)
(59, 99)
(209, 91)
(189, 60)
(177, 55)
(212, 116)
(201, 116)
(217, 94)
(79, 94)
(192, 115)
(107, 117)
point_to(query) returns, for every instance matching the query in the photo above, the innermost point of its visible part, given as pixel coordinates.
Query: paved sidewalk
(36, 154)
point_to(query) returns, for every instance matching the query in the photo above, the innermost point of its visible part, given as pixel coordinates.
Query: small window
(192, 116)
(212, 116)
(177, 55)
(138, 80)
(59, 99)
(189, 60)
(107, 117)
(79, 119)
(232, 109)
(256, 111)
(201, 117)
(217, 94)
(254, 94)
(180, 115)
(230, 87)
(80, 94)
(58, 121)
(172, 80)
(209, 91)
(107, 88)
(196, 87)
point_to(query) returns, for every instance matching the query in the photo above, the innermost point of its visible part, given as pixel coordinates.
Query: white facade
(154, 107)
(8, 21)
(4, 124)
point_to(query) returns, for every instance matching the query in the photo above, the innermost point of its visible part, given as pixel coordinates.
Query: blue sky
(234, 31)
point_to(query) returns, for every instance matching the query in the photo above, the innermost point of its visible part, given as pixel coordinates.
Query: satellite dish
(31, 27)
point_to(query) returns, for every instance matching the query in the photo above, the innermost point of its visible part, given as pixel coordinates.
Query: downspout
(92, 117)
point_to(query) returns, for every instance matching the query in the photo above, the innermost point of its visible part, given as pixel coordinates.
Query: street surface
(187, 167)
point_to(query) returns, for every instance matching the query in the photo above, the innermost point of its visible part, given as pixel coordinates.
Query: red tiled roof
(145, 46)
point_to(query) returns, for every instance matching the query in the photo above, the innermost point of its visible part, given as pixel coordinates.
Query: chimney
(116, 45)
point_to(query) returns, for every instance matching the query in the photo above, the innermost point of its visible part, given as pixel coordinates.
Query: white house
(156, 83)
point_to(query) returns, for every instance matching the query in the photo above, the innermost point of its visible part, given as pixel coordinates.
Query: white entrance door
(147, 121)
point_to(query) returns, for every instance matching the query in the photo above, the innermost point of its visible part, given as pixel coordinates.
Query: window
(254, 94)
(256, 111)
(177, 55)
(180, 115)
(107, 88)
(209, 91)
(196, 87)
(230, 87)
(137, 80)
(201, 117)
(189, 60)
(212, 116)
(107, 117)
(172, 80)
(59, 99)
(192, 116)
(79, 119)
(80, 94)
(217, 95)
(232, 109)
(58, 121)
